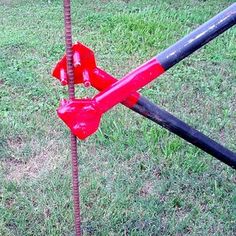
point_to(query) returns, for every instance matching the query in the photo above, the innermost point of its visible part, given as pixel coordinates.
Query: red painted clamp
(82, 116)
(84, 65)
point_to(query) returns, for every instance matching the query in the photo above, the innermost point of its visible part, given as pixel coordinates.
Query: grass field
(136, 178)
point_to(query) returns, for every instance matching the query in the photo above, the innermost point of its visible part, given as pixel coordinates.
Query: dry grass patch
(47, 160)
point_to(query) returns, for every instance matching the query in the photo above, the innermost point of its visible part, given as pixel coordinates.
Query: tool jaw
(82, 116)
(84, 65)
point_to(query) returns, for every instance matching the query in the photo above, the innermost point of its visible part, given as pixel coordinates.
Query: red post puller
(83, 115)
(85, 71)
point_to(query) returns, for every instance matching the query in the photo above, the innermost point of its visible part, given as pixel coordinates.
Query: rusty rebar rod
(71, 92)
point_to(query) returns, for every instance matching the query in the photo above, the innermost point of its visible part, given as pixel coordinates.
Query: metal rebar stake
(71, 91)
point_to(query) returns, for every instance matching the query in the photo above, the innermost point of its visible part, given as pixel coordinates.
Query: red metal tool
(100, 80)
(83, 115)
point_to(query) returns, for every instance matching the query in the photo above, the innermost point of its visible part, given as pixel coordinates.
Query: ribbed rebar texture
(71, 90)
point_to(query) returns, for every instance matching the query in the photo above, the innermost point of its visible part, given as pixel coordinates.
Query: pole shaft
(197, 38)
(183, 130)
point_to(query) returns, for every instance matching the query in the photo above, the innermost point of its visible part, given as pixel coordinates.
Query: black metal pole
(171, 56)
(168, 58)
(183, 130)
(197, 38)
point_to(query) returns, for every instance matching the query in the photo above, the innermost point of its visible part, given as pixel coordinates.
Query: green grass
(136, 178)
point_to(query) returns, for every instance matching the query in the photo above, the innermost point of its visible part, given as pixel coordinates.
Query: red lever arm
(132, 82)
(83, 115)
